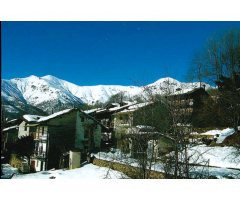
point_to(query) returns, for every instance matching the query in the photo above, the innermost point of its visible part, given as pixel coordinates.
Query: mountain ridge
(49, 92)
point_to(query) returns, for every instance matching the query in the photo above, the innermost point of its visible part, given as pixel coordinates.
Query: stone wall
(15, 161)
(132, 172)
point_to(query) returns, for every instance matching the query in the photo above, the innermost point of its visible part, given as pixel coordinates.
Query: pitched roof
(114, 109)
(94, 110)
(63, 112)
(9, 128)
(56, 115)
(198, 91)
(32, 118)
(134, 107)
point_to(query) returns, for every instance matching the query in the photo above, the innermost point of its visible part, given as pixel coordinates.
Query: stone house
(27, 126)
(58, 134)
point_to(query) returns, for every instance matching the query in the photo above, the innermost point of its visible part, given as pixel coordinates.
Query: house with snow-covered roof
(190, 103)
(105, 116)
(143, 123)
(62, 132)
(26, 127)
(125, 118)
(9, 136)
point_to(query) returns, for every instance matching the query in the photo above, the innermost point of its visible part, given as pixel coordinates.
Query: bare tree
(198, 67)
(117, 98)
(223, 54)
(179, 106)
(141, 129)
(168, 116)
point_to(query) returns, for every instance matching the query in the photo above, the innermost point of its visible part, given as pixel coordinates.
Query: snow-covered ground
(220, 160)
(218, 156)
(8, 170)
(221, 133)
(224, 162)
(88, 171)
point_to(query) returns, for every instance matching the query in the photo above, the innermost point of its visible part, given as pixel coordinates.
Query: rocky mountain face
(42, 94)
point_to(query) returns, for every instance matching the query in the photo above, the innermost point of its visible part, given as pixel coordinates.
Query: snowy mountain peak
(51, 92)
(48, 77)
(165, 80)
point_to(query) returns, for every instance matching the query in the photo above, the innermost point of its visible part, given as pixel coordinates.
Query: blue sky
(107, 53)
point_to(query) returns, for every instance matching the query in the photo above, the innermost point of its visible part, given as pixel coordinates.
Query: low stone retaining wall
(132, 172)
(15, 161)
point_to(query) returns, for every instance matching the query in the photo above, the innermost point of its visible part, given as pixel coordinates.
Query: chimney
(204, 86)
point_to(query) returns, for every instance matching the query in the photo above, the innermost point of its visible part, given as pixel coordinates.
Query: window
(42, 130)
(25, 128)
(41, 149)
(82, 119)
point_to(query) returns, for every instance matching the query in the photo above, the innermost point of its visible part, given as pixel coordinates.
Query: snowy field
(222, 134)
(218, 156)
(220, 159)
(88, 171)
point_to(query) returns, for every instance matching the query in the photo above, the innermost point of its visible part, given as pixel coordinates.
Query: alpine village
(164, 130)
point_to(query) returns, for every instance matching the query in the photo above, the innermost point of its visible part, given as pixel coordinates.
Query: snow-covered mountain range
(49, 92)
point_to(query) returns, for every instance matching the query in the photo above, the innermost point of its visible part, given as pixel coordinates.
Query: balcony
(38, 136)
(39, 154)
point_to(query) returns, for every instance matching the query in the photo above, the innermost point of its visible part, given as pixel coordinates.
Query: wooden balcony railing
(38, 136)
(39, 154)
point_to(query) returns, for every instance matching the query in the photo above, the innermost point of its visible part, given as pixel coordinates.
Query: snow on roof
(222, 134)
(135, 107)
(64, 112)
(12, 127)
(54, 115)
(12, 120)
(130, 102)
(32, 118)
(101, 110)
(116, 104)
(119, 108)
(115, 108)
(93, 110)
(140, 105)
